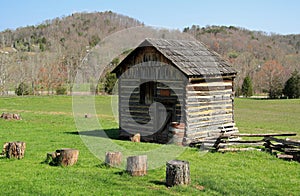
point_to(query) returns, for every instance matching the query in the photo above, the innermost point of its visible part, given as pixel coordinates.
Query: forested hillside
(269, 59)
(47, 56)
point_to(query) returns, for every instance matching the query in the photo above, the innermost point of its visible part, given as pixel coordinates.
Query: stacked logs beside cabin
(287, 148)
(194, 84)
(283, 148)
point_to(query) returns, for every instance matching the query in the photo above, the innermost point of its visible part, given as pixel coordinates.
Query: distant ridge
(60, 44)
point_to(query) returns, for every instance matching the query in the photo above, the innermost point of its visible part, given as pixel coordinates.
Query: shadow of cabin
(173, 91)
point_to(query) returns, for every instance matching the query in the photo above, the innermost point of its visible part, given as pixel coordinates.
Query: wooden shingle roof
(193, 58)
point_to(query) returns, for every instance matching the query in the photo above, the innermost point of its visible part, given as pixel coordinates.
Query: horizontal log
(211, 97)
(223, 145)
(207, 99)
(205, 132)
(246, 141)
(228, 129)
(212, 124)
(210, 83)
(208, 88)
(210, 103)
(203, 121)
(277, 147)
(283, 141)
(209, 93)
(207, 119)
(200, 135)
(208, 112)
(213, 78)
(202, 114)
(236, 149)
(292, 150)
(263, 134)
(208, 108)
(285, 156)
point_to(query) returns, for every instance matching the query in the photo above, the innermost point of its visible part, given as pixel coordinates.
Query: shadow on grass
(3, 157)
(121, 173)
(157, 182)
(106, 133)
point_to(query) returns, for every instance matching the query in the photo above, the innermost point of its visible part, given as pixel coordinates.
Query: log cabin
(175, 91)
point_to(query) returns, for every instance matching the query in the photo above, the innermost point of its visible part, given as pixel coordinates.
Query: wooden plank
(292, 150)
(203, 104)
(204, 132)
(207, 88)
(223, 145)
(207, 99)
(210, 84)
(209, 123)
(236, 149)
(201, 79)
(200, 120)
(284, 141)
(210, 97)
(215, 125)
(248, 141)
(207, 116)
(285, 156)
(263, 134)
(196, 111)
(210, 92)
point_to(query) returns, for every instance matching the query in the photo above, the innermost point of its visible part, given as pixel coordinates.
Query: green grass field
(48, 124)
(268, 116)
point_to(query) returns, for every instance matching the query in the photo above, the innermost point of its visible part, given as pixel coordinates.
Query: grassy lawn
(268, 116)
(48, 124)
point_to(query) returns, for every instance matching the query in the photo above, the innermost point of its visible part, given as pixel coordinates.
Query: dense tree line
(267, 59)
(46, 57)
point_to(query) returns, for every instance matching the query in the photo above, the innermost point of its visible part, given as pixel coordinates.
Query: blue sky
(276, 16)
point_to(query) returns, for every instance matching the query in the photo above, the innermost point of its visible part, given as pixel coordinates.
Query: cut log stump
(9, 116)
(67, 156)
(137, 165)
(62, 157)
(14, 149)
(177, 173)
(113, 158)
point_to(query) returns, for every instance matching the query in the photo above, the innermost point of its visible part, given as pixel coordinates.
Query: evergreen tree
(292, 86)
(247, 89)
(110, 81)
(23, 89)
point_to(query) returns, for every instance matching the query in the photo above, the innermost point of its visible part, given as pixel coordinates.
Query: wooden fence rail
(283, 148)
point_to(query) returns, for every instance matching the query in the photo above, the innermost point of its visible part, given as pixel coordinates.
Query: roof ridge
(192, 57)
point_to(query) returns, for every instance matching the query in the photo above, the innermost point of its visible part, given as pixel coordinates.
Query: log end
(177, 173)
(137, 165)
(14, 149)
(62, 157)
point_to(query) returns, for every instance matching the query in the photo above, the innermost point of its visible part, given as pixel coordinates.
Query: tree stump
(66, 156)
(113, 158)
(177, 173)
(14, 149)
(9, 116)
(137, 165)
